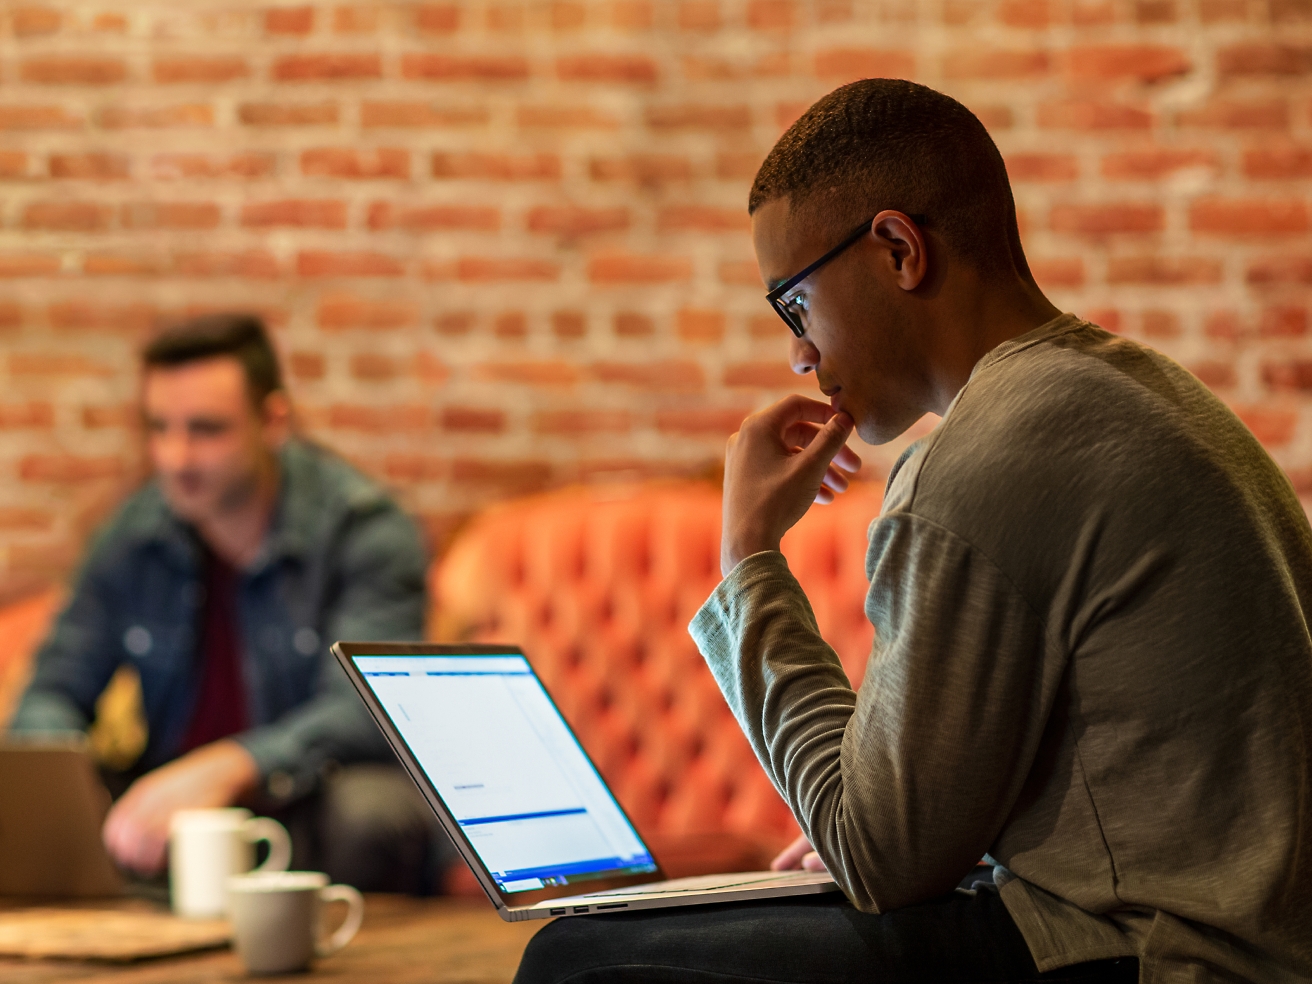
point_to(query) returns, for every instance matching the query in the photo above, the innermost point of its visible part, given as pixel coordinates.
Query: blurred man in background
(222, 582)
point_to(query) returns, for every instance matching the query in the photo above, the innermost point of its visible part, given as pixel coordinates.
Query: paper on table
(116, 935)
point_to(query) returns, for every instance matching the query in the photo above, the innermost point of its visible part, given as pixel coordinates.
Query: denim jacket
(341, 561)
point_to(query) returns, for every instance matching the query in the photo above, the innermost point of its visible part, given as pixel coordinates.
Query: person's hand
(781, 460)
(798, 854)
(136, 831)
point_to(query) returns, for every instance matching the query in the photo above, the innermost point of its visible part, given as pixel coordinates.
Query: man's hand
(136, 832)
(798, 854)
(781, 460)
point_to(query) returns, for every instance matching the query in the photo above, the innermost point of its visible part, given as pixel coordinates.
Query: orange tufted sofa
(598, 585)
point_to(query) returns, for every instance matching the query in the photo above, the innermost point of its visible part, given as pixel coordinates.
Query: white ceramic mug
(207, 846)
(277, 919)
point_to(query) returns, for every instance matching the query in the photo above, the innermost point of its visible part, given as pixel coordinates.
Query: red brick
(698, 325)
(345, 162)
(1145, 62)
(702, 218)
(1218, 11)
(68, 468)
(247, 164)
(11, 315)
(155, 117)
(1287, 161)
(737, 166)
(33, 21)
(478, 269)
(123, 265)
(355, 20)
(567, 15)
(307, 212)
(1292, 374)
(1160, 324)
(455, 323)
(201, 68)
(1238, 114)
(1025, 13)
(1108, 319)
(509, 476)
(663, 374)
(28, 265)
(171, 215)
(543, 372)
(327, 66)
(1050, 271)
(450, 68)
(414, 467)
(1107, 218)
(631, 324)
(1290, 11)
(569, 324)
(1254, 217)
(849, 64)
(978, 62)
(702, 423)
(1043, 167)
(422, 113)
(95, 165)
(1264, 58)
(38, 118)
(1214, 373)
(1150, 164)
(644, 169)
(699, 15)
(391, 419)
(772, 374)
(1272, 426)
(429, 368)
(995, 117)
(437, 18)
(582, 422)
(1225, 325)
(288, 114)
(572, 221)
(477, 420)
(74, 70)
(13, 164)
(1155, 11)
(289, 20)
(1281, 269)
(19, 518)
(96, 316)
(600, 67)
(66, 216)
(507, 18)
(742, 273)
(323, 263)
(242, 263)
(28, 415)
(384, 215)
(1283, 322)
(627, 268)
(110, 23)
(497, 167)
(771, 15)
(1163, 270)
(566, 118)
(306, 365)
(694, 116)
(633, 15)
(1093, 115)
(339, 311)
(511, 325)
(58, 364)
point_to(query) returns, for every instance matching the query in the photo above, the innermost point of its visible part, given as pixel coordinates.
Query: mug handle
(280, 843)
(350, 925)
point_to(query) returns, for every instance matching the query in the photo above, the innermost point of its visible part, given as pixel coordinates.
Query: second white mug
(206, 847)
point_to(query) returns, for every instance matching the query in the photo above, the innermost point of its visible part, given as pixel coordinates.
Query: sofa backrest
(598, 585)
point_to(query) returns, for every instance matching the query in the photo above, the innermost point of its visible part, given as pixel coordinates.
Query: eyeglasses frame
(775, 296)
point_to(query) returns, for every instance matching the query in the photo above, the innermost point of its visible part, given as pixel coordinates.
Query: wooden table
(403, 940)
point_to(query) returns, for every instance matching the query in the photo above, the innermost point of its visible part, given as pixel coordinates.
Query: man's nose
(803, 356)
(170, 450)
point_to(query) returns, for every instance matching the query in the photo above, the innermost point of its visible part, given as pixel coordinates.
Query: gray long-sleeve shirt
(1090, 589)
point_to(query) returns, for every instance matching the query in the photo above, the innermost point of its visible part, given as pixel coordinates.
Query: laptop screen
(508, 768)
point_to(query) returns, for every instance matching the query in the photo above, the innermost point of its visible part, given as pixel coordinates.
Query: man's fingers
(795, 408)
(848, 460)
(812, 862)
(791, 856)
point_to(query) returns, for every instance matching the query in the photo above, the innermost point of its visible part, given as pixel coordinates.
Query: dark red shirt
(220, 708)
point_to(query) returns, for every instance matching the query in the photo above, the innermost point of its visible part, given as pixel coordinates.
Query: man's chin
(188, 508)
(877, 432)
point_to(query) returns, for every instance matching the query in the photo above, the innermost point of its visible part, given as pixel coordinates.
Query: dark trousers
(959, 939)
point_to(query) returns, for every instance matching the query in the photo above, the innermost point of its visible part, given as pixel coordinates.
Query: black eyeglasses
(786, 307)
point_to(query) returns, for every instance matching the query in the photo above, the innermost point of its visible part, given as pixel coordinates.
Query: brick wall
(503, 245)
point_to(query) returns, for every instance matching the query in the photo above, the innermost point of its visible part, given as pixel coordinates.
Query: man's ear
(904, 246)
(276, 419)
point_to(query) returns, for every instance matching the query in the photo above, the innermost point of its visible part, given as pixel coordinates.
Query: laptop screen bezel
(346, 653)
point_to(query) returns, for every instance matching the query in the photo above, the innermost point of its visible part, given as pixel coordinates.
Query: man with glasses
(1090, 589)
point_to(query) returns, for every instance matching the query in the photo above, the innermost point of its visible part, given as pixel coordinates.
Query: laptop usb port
(557, 912)
(613, 905)
(580, 908)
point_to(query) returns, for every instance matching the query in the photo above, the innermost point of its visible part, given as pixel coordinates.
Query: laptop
(512, 786)
(52, 805)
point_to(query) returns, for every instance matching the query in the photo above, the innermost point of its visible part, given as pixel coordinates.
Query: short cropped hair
(891, 144)
(239, 336)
